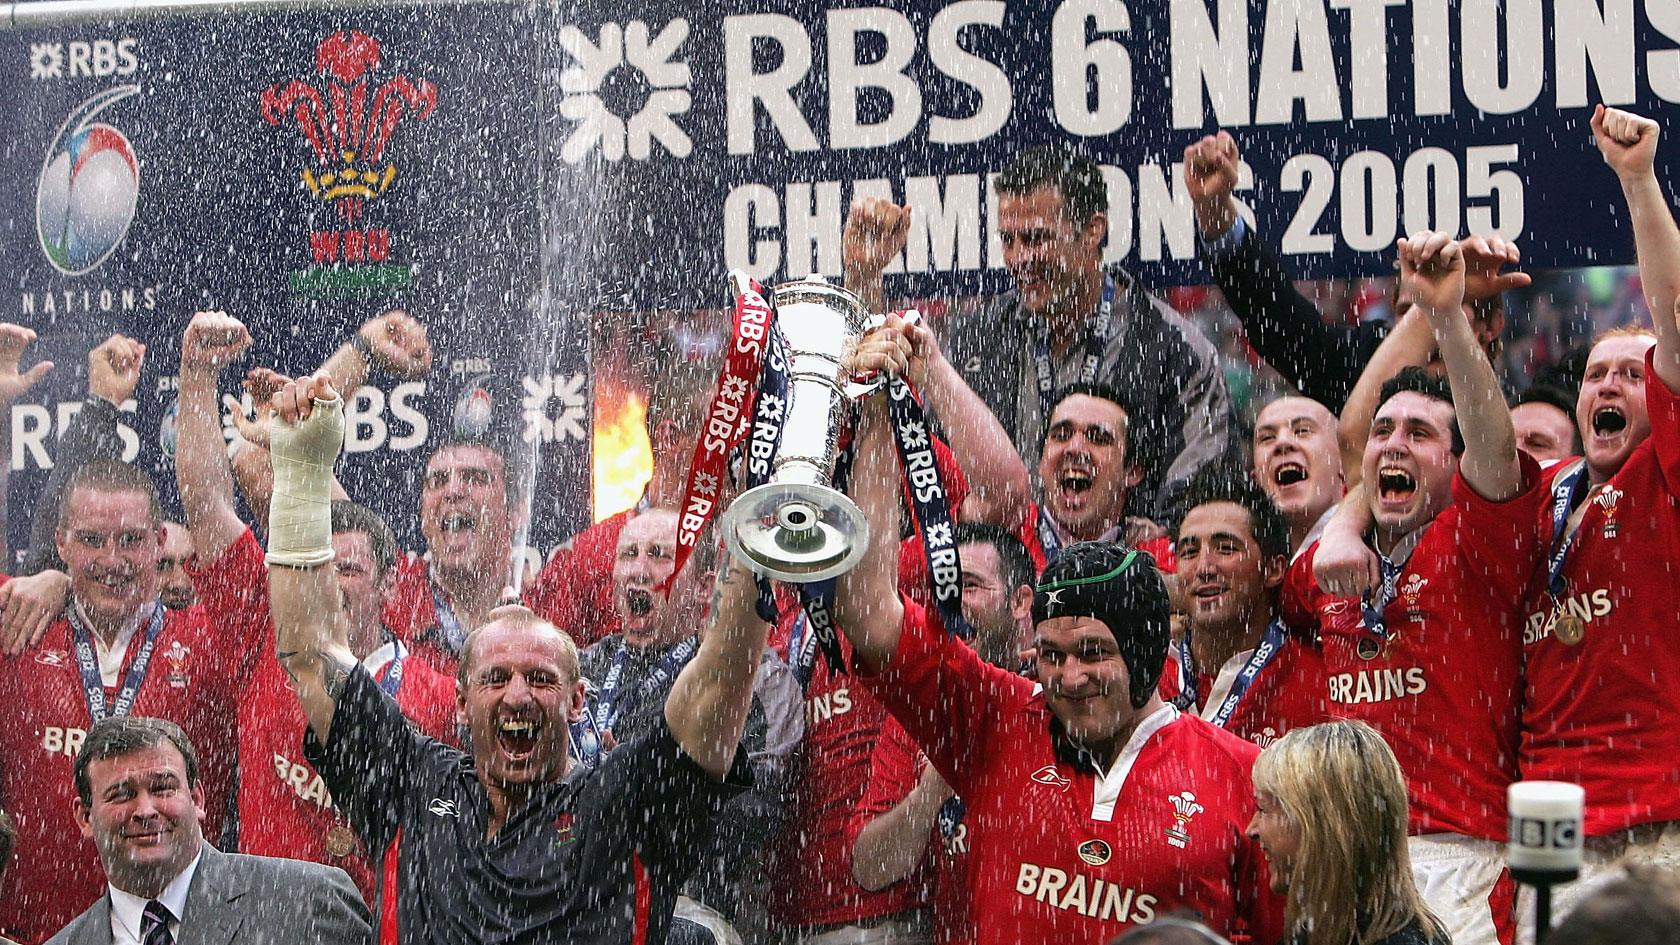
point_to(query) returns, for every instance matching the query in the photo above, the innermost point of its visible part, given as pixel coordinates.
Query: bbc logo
(1542, 833)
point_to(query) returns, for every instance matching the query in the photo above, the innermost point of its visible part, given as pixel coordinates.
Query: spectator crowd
(1268, 594)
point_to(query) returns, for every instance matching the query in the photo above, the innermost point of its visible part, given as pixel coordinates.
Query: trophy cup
(797, 527)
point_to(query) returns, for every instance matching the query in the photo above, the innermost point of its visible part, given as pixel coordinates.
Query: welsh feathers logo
(348, 119)
(89, 185)
(625, 91)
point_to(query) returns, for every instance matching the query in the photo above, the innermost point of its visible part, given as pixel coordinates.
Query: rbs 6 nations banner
(504, 171)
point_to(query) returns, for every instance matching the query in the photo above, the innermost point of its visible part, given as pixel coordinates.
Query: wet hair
(1228, 482)
(1015, 566)
(1075, 176)
(349, 517)
(1642, 908)
(570, 663)
(110, 475)
(1623, 331)
(1100, 391)
(512, 460)
(1341, 790)
(121, 735)
(8, 839)
(1416, 380)
(1552, 397)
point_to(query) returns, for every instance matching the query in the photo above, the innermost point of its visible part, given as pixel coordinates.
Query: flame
(623, 458)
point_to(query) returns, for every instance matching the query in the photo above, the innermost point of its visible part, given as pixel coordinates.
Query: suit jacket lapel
(95, 928)
(212, 917)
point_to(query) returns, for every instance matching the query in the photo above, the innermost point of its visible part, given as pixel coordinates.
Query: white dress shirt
(128, 910)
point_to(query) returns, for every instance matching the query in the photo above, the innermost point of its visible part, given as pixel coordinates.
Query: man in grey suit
(140, 801)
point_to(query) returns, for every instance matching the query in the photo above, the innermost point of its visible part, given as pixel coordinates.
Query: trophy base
(795, 532)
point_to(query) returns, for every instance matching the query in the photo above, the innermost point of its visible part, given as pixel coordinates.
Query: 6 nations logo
(88, 188)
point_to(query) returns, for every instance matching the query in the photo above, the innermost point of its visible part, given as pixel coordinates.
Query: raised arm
(709, 703)
(212, 341)
(999, 487)
(14, 383)
(1284, 326)
(875, 232)
(866, 603)
(306, 434)
(1629, 145)
(1432, 273)
(113, 372)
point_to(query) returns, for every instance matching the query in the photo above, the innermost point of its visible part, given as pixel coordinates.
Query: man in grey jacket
(140, 801)
(1069, 320)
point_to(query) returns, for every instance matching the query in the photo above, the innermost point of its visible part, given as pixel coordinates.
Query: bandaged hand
(306, 433)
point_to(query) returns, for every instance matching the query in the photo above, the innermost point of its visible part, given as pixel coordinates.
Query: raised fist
(876, 231)
(397, 345)
(114, 368)
(213, 340)
(1627, 141)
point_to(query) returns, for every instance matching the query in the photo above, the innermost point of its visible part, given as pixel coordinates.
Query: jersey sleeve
(1663, 406)
(1299, 600)
(944, 695)
(664, 798)
(233, 590)
(1501, 541)
(373, 759)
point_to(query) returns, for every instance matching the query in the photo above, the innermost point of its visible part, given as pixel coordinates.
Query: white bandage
(300, 510)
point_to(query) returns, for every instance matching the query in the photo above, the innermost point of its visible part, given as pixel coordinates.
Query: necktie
(154, 925)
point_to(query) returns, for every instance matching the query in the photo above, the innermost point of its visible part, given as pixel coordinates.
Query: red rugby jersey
(1059, 854)
(411, 614)
(284, 806)
(894, 769)
(1288, 693)
(575, 590)
(1605, 713)
(1443, 691)
(58, 873)
(1161, 549)
(811, 860)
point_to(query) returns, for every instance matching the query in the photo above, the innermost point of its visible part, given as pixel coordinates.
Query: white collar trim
(1108, 785)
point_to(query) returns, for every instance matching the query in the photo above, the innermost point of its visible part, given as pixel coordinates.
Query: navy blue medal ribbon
(930, 505)
(390, 681)
(93, 682)
(613, 702)
(448, 629)
(1271, 643)
(1563, 501)
(1095, 340)
(1373, 604)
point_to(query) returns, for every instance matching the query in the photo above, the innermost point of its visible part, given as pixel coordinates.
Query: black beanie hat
(1121, 587)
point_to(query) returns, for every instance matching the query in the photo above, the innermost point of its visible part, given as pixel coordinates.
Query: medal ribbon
(608, 708)
(391, 679)
(93, 682)
(1373, 604)
(727, 420)
(448, 629)
(1271, 642)
(951, 816)
(1563, 495)
(1095, 339)
(1048, 539)
(930, 505)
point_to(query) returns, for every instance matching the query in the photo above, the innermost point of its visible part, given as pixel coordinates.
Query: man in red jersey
(1239, 666)
(1431, 657)
(115, 651)
(284, 807)
(1091, 805)
(1601, 703)
(1299, 464)
(909, 827)
(575, 590)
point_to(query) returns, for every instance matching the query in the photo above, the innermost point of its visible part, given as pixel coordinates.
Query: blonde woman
(1331, 817)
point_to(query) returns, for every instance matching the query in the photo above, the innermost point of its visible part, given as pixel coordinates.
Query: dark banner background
(592, 158)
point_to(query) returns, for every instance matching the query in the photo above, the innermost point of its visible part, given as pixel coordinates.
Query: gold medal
(340, 841)
(1569, 629)
(1369, 649)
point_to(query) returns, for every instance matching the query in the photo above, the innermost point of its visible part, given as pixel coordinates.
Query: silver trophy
(797, 527)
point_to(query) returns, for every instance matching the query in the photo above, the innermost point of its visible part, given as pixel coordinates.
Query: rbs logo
(97, 59)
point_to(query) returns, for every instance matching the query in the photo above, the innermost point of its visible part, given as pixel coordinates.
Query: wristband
(364, 348)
